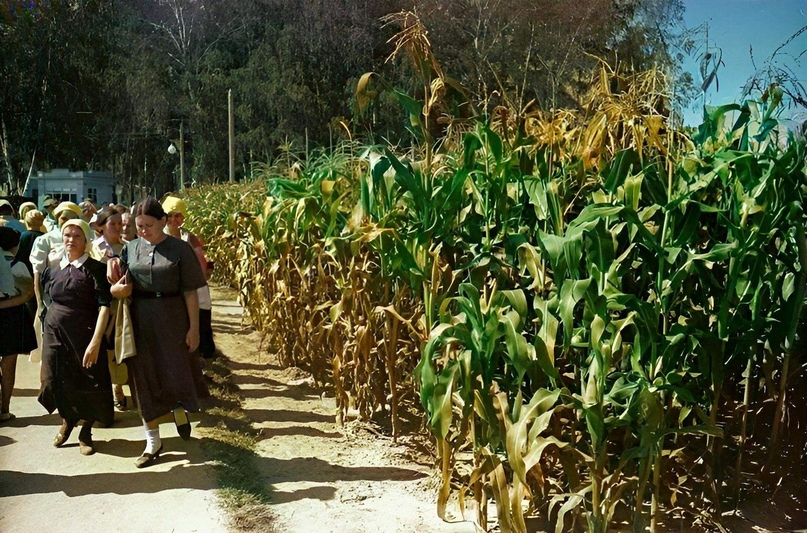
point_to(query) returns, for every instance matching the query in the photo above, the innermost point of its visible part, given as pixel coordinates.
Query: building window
(92, 194)
(64, 196)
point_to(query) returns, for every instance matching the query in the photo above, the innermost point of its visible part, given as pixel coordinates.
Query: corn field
(596, 314)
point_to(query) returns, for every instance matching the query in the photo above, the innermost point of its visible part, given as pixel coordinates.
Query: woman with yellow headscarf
(176, 209)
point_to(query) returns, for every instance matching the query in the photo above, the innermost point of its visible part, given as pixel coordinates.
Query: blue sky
(737, 25)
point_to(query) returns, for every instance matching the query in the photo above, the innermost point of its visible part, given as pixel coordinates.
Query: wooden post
(181, 155)
(231, 134)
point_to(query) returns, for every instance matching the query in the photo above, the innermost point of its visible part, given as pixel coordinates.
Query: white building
(62, 184)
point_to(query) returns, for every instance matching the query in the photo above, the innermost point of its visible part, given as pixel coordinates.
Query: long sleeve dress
(164, 373)
(76, 292)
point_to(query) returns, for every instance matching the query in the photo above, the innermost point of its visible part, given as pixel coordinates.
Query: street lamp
(172, 149)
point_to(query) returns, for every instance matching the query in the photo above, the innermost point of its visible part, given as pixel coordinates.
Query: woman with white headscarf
(77, 296)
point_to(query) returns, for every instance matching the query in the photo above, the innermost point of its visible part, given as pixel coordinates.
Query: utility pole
(231, 134)
(181, 155)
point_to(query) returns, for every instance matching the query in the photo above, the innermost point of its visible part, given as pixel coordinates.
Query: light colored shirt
(103, 250)
(7, 287)
(203, 293)
(19, 272)
(49, 222)
(64, 261)
(47, 249)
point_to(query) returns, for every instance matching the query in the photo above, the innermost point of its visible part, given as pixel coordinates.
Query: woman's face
(74, 241)
(128, 226)
(175, 219)
(64, 216)
(112, 228)
(150, 228)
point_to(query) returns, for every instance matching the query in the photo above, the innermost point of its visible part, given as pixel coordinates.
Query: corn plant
(573, 299)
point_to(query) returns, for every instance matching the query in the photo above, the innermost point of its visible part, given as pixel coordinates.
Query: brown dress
(163, 372)
(74, 296)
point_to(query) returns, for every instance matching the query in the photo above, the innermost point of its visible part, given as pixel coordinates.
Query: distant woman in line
(17, 331)
(108, 245)
(77, 297)
(161, 274)
(33, 230)
(177, 211)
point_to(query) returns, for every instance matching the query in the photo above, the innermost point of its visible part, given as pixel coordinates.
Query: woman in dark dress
(77, 297)
(17, 331)
(162, 274)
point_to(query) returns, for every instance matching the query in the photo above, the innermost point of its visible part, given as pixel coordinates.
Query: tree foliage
(104, 84)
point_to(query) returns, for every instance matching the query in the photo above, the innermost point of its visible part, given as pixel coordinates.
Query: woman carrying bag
(161, 275)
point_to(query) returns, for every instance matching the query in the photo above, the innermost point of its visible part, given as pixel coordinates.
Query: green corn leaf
(620, 168)
(493, 143)
(517, 300)
(520, 353)
(545, 340)
(596, 426)
(441, 404)
(571, 292)
(470, 144)
(554, 248)
(517, 442)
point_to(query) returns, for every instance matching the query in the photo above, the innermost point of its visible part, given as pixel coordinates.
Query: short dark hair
(9, 238)
(103, 215)
(151, 207)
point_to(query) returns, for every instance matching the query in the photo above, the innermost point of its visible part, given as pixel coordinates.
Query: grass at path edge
(230, 445)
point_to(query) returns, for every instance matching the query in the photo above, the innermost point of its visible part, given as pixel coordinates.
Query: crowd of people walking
(73, 279)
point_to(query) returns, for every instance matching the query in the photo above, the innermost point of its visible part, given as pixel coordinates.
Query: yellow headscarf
(25, 207)
(64, 206)
(172, 203)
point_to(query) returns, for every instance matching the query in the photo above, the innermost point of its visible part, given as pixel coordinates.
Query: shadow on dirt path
(43, 488)
(321, 475)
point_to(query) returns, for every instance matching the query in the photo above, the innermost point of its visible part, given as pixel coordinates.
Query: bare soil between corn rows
(320, 476)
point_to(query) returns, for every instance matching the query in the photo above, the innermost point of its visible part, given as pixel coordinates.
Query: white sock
(153, 441)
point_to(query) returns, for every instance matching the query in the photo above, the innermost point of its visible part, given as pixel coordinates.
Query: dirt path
(322, 477)
(44, 489)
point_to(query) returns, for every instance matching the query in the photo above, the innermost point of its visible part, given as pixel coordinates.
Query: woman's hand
(192, 339)
(113, 270)
(91, 354)
(121, 289)
(192, 304)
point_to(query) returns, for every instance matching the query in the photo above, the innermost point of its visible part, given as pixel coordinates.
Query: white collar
(77, 263)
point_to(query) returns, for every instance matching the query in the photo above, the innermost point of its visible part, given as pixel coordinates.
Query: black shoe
(120, 405)
(148, 459)
(85, 444)
(182, 422)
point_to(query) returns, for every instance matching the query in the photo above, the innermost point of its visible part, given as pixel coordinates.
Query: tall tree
(512, 52)
(54, 56)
